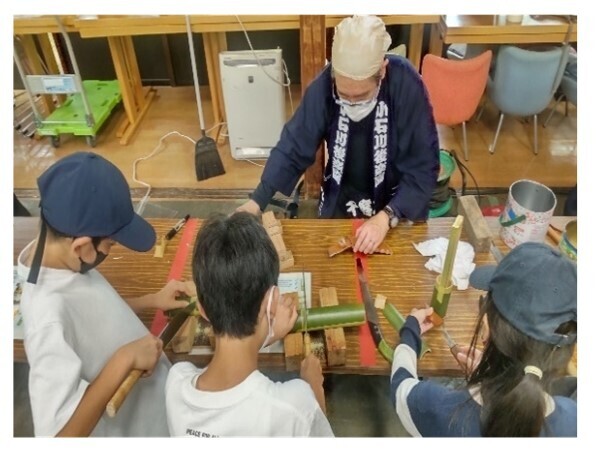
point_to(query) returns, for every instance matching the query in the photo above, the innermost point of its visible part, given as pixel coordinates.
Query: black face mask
(85, 266)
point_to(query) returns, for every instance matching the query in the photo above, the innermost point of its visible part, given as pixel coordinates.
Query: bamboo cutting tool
(166, 335)
(371, 314)
(454, 348)
(304, 313)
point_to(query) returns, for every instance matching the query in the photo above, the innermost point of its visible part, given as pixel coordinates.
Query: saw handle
(307, 344)
(123, 390)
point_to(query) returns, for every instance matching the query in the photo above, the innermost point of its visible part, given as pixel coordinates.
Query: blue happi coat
(409, 170)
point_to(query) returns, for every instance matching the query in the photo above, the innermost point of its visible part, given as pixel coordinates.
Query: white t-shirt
(73, 324)
(257, 407)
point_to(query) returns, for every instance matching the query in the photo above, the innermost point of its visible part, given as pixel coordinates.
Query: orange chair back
(455, 87)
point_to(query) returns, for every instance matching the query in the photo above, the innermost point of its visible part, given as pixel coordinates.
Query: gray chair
(567, 92)
(524, 82)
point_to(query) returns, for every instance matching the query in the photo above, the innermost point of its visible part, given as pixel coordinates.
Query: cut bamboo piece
(342, 316)
(159, 249)
(335, 340)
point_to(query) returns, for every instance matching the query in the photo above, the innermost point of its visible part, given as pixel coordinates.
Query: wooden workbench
(401, 277)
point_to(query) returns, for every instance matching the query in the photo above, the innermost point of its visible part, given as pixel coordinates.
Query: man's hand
(372, 233)
(251, 207)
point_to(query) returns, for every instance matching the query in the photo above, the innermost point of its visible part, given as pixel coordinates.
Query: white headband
(359, 47)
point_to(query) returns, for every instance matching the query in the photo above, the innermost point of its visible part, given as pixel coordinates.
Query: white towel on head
(462, 266)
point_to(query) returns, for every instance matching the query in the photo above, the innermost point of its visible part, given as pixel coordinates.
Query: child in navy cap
(81, 337)
(530, 319)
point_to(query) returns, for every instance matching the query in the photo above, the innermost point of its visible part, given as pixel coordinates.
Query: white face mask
(270, 322)
(358, 112)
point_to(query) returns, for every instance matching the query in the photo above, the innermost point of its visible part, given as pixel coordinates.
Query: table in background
(492, 29)
(401, 277)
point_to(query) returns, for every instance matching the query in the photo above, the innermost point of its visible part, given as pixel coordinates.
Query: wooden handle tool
(123, 390)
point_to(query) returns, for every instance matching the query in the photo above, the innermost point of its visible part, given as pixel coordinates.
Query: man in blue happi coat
(373, 112)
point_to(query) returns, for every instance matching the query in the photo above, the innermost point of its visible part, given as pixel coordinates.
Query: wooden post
(33, 60)
(312, 41)
(475, 225)
(335, 339)
(213, 44)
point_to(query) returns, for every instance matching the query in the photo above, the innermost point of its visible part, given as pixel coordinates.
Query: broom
(207, 160)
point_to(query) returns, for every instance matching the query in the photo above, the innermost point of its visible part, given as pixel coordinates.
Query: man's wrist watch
(392, 218)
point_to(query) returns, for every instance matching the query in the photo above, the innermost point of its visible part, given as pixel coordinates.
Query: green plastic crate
(102, 96)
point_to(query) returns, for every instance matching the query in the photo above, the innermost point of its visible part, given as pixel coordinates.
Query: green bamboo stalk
(443, 286)
(341, 316)
(394, 317)
(386, 351)
(456, 231)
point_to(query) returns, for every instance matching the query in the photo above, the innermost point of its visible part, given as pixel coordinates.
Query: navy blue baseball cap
(85, 195)
(535, 288)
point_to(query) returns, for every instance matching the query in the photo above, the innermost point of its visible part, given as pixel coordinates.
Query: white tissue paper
(462, 266)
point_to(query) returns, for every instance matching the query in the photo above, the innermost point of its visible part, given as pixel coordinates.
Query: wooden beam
(475, 225)
(313, 55)
(35, 67)
(335, 338)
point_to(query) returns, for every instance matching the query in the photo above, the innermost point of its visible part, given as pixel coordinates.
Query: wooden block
(159, 250)
(274, 230)
(475, 225)
(286, 260)
(335, 339)
(380, 302)
(184, 339)
(294, 351)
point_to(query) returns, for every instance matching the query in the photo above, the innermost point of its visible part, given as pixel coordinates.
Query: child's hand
(285, 315)
(311, 372)
(469, 362)
(423, 317)
(166, 298)
(144, 353)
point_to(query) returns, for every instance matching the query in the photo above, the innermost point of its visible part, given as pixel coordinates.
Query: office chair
(455, 88)
(524, 82)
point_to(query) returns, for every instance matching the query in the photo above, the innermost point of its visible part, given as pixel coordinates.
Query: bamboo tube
(456, 231)
(341, 316)
(393, 316)
(443, 285)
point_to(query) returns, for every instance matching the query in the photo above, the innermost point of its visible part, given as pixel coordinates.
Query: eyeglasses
(346, 103)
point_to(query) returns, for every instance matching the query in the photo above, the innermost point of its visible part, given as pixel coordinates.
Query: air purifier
(253, 93)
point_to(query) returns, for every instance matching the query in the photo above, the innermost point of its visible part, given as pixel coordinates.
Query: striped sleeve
(404, 372)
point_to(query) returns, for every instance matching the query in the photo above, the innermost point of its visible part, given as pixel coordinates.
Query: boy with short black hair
(81, 338)
(235, 268)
